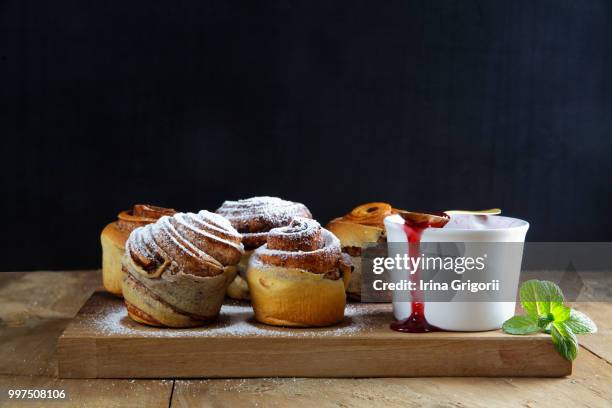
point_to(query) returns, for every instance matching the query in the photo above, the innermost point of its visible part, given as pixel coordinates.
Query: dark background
(427, 105)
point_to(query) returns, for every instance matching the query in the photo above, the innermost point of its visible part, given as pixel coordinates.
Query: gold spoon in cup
(490, 211)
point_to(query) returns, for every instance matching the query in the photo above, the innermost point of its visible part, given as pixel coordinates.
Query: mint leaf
(565, 340)
(544, 321)
(529, 294)
(520, 325)
(540, 297)
(560, 313)
(579, 323)
(554, 295)
(543, 302)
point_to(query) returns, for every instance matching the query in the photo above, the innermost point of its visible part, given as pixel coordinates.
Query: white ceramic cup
(457, 315)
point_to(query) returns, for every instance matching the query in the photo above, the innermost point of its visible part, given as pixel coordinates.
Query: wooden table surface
(35, 307)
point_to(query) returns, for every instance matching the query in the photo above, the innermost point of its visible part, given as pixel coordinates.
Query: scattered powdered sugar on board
(235, 320)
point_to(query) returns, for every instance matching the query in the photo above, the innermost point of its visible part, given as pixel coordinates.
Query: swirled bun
(179, 268)
(299, 277)
(363, 225)
(254, 217)
(361, 228)
(113, 239)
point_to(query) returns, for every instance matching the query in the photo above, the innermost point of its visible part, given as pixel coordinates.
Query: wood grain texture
(600, 343)
(102, 342)
(589, 386)
(90, 393)
(35, 308)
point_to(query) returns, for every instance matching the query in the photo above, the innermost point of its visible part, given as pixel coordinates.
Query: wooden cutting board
(102, 342)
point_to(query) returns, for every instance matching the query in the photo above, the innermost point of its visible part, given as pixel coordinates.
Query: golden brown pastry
(360, 228)
(299, 277)
(179, 268)
(254, 218)
(113, 239)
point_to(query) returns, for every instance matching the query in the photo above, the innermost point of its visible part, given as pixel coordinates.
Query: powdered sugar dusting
(269, 211)
(254, 217)
(331, 245)
(237, 320)
(196, 236)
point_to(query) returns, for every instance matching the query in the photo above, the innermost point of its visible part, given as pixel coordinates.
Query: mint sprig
(565, 340)
(543, 302)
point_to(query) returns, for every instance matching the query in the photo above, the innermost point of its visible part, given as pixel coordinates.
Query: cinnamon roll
(113, 239)
(361, 228)
(299, 277)
(179, 268)
(254, 217)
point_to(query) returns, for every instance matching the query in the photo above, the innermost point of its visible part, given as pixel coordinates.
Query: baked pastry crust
(239, 288)
(254, 217)
(113, 239)
(197, 303)
(299, 277)
(179, 269)
(361, 228)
